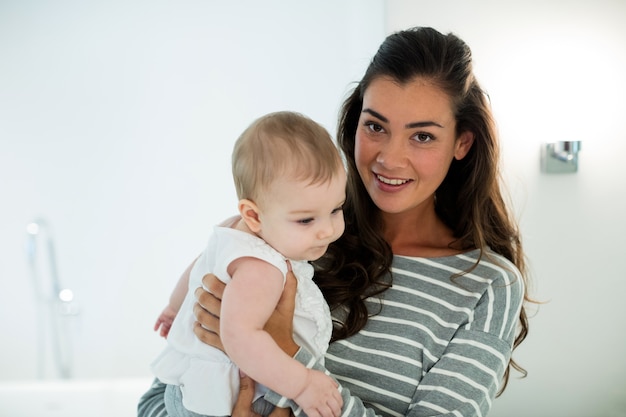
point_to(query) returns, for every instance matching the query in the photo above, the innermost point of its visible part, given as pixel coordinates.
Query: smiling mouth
(391, 181)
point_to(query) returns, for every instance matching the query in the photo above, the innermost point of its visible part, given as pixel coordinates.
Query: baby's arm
(167, 316)
(248, 301)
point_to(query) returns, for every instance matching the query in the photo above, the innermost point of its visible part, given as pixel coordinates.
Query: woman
(427, 284)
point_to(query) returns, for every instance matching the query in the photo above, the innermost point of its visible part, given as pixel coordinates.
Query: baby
(290, 181)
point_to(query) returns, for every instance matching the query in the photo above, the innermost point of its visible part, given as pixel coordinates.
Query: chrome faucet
(53, 301)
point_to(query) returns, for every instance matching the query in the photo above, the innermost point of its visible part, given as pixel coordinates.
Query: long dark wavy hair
(469, 200)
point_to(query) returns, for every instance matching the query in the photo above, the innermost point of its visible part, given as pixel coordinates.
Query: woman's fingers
(213, 285)
(280, 323)
(243, 405)
(207, 302)
(207, 319)
(208, 337)
(287, 302)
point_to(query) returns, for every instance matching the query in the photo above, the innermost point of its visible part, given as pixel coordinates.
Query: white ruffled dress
(209, 381)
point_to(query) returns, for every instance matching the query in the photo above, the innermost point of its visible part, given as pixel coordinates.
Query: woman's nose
(392, 153)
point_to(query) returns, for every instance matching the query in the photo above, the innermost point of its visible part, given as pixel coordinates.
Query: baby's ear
(250, 214)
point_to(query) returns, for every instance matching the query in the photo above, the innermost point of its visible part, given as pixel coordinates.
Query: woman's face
(405, 142)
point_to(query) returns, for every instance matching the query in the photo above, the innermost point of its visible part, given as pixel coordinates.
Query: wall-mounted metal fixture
(560, 157)
(55, 305)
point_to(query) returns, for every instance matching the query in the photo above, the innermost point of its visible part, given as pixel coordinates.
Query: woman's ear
(463, 145)
(250, 214)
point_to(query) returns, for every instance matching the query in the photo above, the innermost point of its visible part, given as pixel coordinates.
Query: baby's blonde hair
(278, 144)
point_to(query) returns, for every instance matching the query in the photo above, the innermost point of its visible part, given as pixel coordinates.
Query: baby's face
(300, 220)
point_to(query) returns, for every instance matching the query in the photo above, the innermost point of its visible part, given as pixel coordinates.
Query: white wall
(117, 117)
(117, 120)
(555, 71)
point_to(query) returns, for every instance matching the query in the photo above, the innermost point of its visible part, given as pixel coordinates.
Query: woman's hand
(243, 405)
(207, 311)
(279, 326)
(280, 323)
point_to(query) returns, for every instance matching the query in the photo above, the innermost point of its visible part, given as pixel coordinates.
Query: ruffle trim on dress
(310, 300)
(208, 388)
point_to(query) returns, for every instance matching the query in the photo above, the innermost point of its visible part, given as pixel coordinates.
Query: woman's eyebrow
(408, 125)
(422, 124)
(375, 114)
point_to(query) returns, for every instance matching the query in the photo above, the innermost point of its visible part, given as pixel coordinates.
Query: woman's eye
(374, 127)
(423, 137)
(337, 210)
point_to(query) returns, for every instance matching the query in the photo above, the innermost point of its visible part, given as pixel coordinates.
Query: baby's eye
(337, 210)
(305, 221)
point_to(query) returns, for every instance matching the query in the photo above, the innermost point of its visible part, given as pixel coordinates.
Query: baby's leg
(174, 403)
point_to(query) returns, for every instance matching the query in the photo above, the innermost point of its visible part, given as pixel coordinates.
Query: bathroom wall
(554, 71)
(117, 120)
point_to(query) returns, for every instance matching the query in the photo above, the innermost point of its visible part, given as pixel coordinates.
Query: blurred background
(117, 121)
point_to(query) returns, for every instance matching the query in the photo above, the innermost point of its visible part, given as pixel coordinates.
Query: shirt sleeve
(465, 380)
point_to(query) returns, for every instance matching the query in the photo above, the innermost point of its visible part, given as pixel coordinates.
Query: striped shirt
(435, 345)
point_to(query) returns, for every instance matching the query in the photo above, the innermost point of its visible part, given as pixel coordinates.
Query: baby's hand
(164, 322)
(320, 397)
